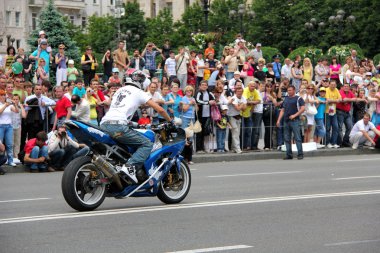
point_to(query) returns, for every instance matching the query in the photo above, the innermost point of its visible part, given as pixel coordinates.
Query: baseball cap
(71, 62)
(224, 107)
(258, 45)
(43, 42)
(237, 73)
(322, 89)
(41, 32)
(115, 70)
(368, 74)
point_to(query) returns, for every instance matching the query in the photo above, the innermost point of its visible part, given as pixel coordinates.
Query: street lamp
(206, 10)
(129, 38)
(241, 11)
(118, 13)
(339, 20)
(313, 26)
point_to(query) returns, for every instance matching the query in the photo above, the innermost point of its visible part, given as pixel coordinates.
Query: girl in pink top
(335, 70)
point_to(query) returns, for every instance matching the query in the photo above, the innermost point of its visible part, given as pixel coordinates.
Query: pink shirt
(336, 69)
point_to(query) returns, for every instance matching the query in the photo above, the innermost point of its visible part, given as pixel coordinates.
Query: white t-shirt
(182, 64)
(286, 71)
(259, 107)
(231, 108)
(6, 115)
(170, 64)
(125, 102)
(156, 96)
(360, 126)
(200, 63)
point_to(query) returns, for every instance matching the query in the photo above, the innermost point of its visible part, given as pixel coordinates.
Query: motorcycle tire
(76, 185)
(165, 190)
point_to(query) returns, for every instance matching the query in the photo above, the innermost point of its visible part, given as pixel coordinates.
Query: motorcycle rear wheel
(176, 191)
(79, 186)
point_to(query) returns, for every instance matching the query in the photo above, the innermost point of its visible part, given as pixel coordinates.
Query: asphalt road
(329, 204)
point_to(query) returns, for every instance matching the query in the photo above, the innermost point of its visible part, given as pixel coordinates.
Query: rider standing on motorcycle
(124, 104)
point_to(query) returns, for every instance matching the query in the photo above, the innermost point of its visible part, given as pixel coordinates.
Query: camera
(62, 134)
(9, 101)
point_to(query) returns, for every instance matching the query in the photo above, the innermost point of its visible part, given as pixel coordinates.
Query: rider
(124, 104)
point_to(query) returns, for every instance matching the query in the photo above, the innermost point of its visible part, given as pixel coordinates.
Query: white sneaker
(354, 146)
(130, 172)
(320, 146)
(336, 146)
(16, 160)
(12, 164)
(329, 146)
(238, 151)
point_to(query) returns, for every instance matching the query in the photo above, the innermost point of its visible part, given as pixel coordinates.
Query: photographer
(62, 149)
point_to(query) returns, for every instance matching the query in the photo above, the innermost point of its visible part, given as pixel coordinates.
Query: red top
(100, 95)
(61, 107)
(143, 121)
(345, 106)
(30, 145)
(335, 69)
(209, 50)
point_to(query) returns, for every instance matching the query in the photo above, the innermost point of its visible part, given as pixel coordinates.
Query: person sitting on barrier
(62, 149)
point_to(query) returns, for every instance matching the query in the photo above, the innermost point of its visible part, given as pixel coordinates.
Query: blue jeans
(331, 122)
(256, 128)
(132, 139)
(292, 126)
(6, 136)
(61, 157)
(246, 132)
(320, 130)
(344, 118)
(38, 152)
(220, 138)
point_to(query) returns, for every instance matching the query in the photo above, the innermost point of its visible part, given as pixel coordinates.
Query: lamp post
(206, 10)
(340, 20)
(129, 37)
(241, 12)
(118, 13)
(313, 26)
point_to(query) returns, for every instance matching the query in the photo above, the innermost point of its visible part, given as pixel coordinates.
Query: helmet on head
(137, 79)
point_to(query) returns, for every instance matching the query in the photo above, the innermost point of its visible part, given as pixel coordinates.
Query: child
(168, 101)
(206, 72)
(42, 36)
(221, 128)
(72, 72)
(320, 130)
(144, 120)
(79, 89)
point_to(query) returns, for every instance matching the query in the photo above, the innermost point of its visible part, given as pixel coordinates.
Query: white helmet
(137, 79)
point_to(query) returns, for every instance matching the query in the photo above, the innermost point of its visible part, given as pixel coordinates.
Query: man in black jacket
(137, 62)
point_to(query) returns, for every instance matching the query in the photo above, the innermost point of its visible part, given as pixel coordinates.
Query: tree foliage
(160, 28)
(101, 33)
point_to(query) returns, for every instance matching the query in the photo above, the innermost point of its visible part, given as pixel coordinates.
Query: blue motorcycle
(88, 180)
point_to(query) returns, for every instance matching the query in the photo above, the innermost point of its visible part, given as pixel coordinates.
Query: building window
(72, 18)
(169, 5)
(8, 18)
(111, 2)
(34, 21)
(84, 22)
(18, 18)
(187, 3)
(153, 13)
(95, 1)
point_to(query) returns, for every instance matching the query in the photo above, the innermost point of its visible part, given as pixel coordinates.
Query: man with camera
(62, 149)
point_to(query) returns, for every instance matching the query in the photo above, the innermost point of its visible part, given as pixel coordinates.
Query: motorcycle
(88, 180)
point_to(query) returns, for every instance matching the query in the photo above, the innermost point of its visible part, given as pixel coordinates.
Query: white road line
(351, 178)
(183, 206)
(350, 243)
(257, 174)
(224, 248)
(20, 200)
(358, 160)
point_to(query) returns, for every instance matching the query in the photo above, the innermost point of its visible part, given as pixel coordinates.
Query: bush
(269, 52)
(313, 53)
(341, 52)
(376, 59)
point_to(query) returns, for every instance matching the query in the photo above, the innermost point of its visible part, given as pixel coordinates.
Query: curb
(249, 156)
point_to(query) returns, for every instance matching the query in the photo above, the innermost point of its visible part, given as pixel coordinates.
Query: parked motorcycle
(88, 180)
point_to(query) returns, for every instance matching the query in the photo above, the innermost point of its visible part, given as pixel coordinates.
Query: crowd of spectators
(231, 97)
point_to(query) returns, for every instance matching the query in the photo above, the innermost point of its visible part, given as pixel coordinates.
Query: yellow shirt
(250, 96)
(307, 74)
(93, 113)
(332, 94)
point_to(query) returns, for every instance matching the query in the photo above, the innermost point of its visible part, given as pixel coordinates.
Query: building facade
(18, 18)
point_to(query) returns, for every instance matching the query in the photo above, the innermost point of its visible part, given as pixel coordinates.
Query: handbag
(86, 67)
(197, 127)
(311, 110)
(215, 113)
(243, 74)
(35, 78)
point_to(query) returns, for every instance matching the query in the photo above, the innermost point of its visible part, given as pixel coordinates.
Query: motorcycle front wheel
(176, 185)
(81, 185)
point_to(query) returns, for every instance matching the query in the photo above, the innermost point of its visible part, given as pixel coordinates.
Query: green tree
(52, 22)
(159, 28)
(133, 23)
(101, 33)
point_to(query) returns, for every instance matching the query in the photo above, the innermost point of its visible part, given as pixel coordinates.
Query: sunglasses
(310, 88)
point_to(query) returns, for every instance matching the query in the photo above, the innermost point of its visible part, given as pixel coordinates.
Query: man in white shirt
(82, 109)
(364, 132)
(200, 67)
(182, 60)
(170, 65)
(125, 102)
(286, 70)
(257, 52)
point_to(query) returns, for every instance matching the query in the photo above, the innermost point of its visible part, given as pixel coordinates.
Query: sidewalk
(253, 155)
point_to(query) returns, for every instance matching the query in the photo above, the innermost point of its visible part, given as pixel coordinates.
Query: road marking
(351, 178)
(258, 174)
(20, 200)
(183, 206)
(214, 249)
(358, 160)
(350, 243)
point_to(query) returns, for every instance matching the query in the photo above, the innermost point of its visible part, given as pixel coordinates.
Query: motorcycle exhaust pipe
(108, 169)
